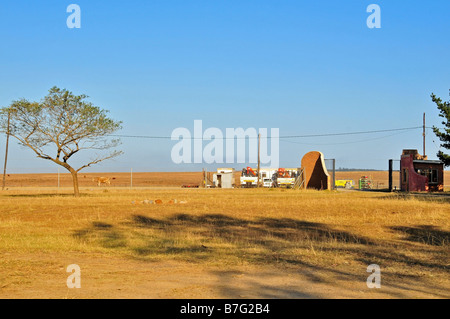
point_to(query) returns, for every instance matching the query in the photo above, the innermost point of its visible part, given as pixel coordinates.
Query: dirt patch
(106, 277)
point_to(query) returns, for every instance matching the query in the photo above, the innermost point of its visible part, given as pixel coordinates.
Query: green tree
(60, 126)
(444, 135)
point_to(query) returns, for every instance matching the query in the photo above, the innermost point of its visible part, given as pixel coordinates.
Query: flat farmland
(222, 243)
(169, 179)
(172, 179)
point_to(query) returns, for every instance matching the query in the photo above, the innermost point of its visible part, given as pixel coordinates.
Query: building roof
(428, 162)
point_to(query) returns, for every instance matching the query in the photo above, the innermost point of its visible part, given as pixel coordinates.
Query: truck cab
(267, 182)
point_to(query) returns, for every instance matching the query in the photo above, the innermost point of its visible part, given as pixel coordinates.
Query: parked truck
(286, 177)
(249, 178)
(268, 177)
(345, 183)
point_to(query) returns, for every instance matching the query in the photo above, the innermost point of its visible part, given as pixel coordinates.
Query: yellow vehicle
(345, 183)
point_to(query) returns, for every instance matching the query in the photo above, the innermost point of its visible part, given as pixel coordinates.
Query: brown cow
(102, 180)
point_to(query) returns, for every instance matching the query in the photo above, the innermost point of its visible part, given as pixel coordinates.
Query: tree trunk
(76, 191)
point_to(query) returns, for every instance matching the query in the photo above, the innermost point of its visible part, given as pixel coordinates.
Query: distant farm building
(418, 174)
(224, 178)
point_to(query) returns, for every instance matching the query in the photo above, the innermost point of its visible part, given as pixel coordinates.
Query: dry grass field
(117, 179)
(212, 243)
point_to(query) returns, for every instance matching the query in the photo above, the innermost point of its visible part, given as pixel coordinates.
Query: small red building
(418, 174)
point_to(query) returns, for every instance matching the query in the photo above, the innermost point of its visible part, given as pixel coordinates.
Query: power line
(351, 142)
(353, 133)
(281, 137)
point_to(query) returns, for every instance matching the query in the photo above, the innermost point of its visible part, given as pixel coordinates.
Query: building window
(405, 175)
(434, 176)
(431, 174)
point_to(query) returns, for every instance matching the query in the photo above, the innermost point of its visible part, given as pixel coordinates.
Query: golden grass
(331, 232)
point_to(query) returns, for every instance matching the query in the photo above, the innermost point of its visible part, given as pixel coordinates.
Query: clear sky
(305, 67)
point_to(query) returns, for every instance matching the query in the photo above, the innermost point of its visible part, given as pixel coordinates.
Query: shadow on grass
(262, 240)
(215, 235)
(425, 197)
(269, 232)
(425, 234)
(105, 234)
(273, 241)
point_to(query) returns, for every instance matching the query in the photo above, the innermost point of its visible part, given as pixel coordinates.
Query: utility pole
(259, 157)
(131, 178)
(334, 174)
(391, 165)
(424, 154)
(6, 152)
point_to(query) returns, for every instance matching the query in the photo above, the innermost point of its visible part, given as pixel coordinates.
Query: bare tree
(60, 126)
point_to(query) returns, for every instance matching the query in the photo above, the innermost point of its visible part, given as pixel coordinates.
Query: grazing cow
(102, 180)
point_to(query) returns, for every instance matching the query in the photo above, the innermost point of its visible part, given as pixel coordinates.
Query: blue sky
(305, 67)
